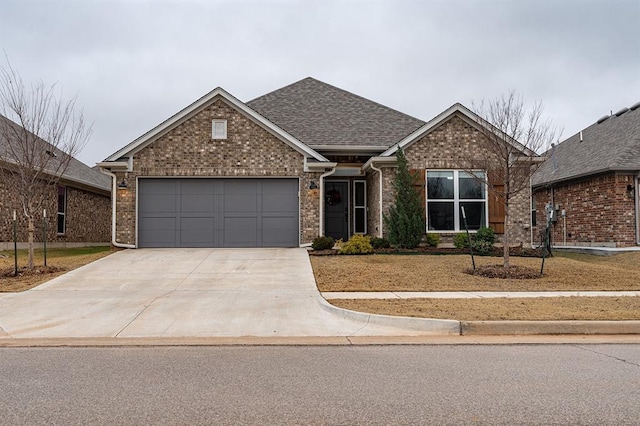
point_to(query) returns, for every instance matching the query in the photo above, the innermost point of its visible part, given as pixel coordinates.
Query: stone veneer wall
(446, 147)
(188, 151)
(88, 218)
(599, 212)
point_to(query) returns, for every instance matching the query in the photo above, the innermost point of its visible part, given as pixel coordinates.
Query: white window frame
(61, 215)
(456, 200)
(362, 207)
(213, 129)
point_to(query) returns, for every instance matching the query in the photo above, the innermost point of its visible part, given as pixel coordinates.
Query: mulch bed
(497, 251)
(26, 272)
(499, 271)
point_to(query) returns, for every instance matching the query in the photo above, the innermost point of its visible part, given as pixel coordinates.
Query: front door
(336, 210)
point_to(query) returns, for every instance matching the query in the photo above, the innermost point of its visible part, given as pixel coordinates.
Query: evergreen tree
(405, 220)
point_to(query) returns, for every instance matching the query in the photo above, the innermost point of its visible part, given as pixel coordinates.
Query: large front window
(450, 191)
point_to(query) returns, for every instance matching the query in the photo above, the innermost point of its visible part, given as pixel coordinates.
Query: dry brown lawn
(541, 309)
(564, 272)
(59, 261)
(446, 273)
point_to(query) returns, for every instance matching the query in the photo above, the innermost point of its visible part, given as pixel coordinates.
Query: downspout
(373, 167)
(321, 224)
(113, 211)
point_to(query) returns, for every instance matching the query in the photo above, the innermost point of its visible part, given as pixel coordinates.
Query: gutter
(114, 195)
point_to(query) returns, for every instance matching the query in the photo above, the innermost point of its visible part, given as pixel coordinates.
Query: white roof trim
(473, 118)
(171, 122)
(381, 161)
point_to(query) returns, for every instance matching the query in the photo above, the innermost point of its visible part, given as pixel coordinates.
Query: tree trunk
(505, 237)
(30, 240)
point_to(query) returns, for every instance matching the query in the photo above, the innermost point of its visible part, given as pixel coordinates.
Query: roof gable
(461, 111)
(324, 116)
(188, 112)
(611, 145)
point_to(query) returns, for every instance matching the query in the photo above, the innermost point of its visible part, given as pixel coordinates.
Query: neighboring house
(79, 212)
(306, 160)
(591, 182)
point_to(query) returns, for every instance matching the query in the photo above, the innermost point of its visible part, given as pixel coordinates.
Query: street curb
(424, 326)
(524, 328)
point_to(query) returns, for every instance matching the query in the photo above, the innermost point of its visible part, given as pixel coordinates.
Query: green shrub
(405, 220)
(485, 234)
(433, 240)
(461, 240)
(323, 243)
(380, 243)
(357, 244)
(482, 248)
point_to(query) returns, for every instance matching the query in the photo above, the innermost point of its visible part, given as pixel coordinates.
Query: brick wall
(447, 147)
(88, 217)
(599, 212)
(248, 151)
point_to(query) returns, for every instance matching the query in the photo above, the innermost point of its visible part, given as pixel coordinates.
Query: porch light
(122, 185)
(313, 185)
(630, 191)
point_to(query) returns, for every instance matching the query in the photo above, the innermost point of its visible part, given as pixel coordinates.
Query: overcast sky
(134, 63)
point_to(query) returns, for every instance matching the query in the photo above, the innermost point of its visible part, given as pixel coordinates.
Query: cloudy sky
(134, 63)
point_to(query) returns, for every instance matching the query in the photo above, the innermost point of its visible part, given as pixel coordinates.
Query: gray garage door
(218, 213)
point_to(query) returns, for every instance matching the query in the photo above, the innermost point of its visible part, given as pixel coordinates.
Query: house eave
(584, 175)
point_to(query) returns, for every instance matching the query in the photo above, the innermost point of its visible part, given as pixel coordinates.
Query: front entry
(336, 210)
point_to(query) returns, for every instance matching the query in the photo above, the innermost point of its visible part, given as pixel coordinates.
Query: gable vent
(635, 106)
(622, 111)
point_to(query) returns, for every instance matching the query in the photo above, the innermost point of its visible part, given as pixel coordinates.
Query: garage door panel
(240, 232)
(159, 203)
(158, 231)
(279, 203)
(241, 203)
(197, 232)
(196, 203)
(279, 231)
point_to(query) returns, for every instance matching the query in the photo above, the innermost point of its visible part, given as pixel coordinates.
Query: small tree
(405, 220)
(39, 135)
(512, 138)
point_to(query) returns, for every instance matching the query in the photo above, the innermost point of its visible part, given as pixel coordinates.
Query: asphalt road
(516, 384)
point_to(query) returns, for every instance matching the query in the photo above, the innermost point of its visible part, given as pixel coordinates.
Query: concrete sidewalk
(472, 294)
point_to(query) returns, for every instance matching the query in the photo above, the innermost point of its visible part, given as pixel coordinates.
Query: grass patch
(532, 309)
(59, 261)
(563, 272)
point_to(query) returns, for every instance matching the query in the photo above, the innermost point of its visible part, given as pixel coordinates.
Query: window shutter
(496, 202)
(419, 184)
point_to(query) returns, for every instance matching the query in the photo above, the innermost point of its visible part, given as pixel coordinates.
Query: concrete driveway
(193, 293)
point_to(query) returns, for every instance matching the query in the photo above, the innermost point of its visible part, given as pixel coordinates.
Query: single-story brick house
(78, 213)
(306, 160)
(591, 182)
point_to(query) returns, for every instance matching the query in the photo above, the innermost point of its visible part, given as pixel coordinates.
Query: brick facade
(88, 218)
(600, 211)
(188, 151)
(447, 147)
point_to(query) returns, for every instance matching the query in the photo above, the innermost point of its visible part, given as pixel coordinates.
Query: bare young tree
(40, 133)
(513, 137)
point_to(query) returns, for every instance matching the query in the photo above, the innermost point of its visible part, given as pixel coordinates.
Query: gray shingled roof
(612, 145)
(77, 171)
(319, 114)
